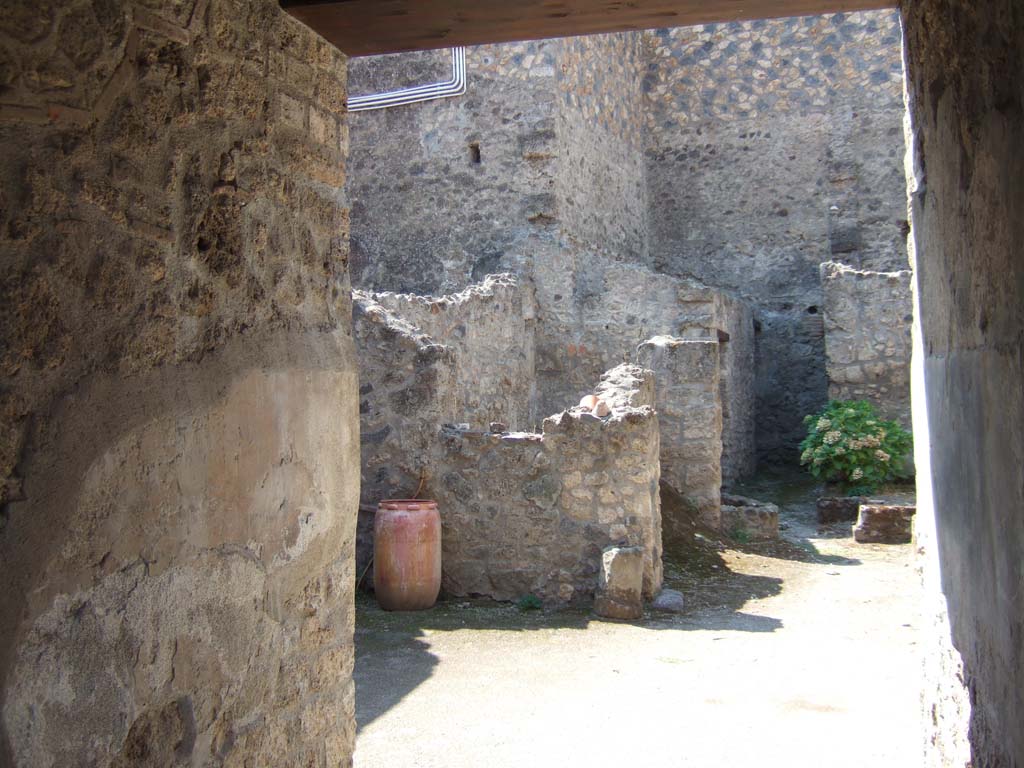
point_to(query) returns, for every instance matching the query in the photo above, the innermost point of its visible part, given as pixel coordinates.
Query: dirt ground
(800, 652)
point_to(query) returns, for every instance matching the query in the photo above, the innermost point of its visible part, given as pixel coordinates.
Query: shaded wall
(966, 84)
(773, 146)
(179, 445)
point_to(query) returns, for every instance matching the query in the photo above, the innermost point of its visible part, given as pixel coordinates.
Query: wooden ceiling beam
(367, 27)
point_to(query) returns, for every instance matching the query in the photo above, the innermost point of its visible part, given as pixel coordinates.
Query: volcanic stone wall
(687, 398)
(442, 191)
(773, 146)
(599, 184)
(868, 316)
(740, 155)
(529, 513)
(490, 328)
(179, 449)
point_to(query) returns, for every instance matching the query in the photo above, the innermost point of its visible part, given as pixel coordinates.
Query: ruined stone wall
(771, 147)
(687, 399)
(599, 185)
(179, 444)
(407, 390)
(428, 218)
(528, 513)
(489, 327)
(966, 94)
(593, 312)
(867, 337)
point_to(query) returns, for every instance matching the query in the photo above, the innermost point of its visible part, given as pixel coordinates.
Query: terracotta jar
(406, 554)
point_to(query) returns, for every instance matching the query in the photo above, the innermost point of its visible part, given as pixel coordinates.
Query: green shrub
(530, 603)
(848, 443)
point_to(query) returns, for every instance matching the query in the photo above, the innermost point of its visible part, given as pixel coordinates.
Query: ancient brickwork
(686, 375)
(179, 444)
(407, 389)
(773, 146)
(528, 513)
(599, 184)
(867, 337)
(489, 326)
(442, 191)
(741, 155)
(592, 312)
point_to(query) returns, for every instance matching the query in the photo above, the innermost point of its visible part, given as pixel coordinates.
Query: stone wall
(429, 215)
(528, 513)
(966, 94)
(771, 147)
(179, 437)
(593, 312)
(686, 374)
(734, 318)
(599, 184)
(490, 328)
(740, 155)
(867, 337)
(407, 389)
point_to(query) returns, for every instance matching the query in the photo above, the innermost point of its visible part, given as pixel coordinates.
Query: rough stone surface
(771, 147)
(884, 524)
(620, 583)
(966, 94)
(749, 518)
(489, 326)
(601, 153)
(686, 374)
(839, 509)
(593, 311)
(179, 440)
(867, 337)
(669, 601)
(527, 513)
(406, 389)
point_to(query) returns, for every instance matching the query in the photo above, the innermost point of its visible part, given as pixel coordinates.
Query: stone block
(620, 583)
(756, 520)
(884, 524)
(669, 601)
(838, 509)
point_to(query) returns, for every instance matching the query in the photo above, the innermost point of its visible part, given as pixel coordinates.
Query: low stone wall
(527, 513)
(686, 374)
(489, 327)
(867, 337)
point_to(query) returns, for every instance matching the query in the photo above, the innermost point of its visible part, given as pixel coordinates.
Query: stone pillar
(687, 399)
(180, 442)
(965, 80)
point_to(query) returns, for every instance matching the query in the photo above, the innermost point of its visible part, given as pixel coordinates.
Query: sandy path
(807, 658)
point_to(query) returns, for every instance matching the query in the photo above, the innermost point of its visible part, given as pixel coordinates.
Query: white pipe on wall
(456, 86)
